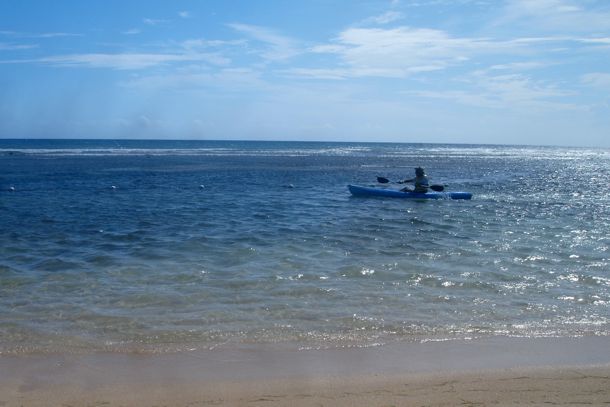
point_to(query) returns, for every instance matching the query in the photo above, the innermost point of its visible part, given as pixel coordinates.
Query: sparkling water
(170, 245)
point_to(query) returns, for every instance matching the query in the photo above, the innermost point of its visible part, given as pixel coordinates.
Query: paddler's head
(419, 171)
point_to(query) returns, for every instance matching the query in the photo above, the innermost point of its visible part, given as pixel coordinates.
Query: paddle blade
(437, 188)
(382, 180)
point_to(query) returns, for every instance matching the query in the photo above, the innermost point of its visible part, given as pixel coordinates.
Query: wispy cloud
(598, 41)
(15, 47)
(58, 34)
(127, 61)
(437, 3)
(17, 34)
(319, 73)
(184, 14)
(384, 18)
(115, 61)
(195, 78)
(277, 47)
(557, 15)
(519, 66)
(506, 91)
(201, 43)
(132, 31)
(401, 51)
(153, 21)
(208, 52)
(597, 80)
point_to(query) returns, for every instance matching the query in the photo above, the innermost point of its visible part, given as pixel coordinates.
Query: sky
(432, 71)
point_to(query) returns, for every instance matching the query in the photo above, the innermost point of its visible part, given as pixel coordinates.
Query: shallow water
(161, 245)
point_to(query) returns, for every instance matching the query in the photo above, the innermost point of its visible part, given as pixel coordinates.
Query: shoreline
(500, 371)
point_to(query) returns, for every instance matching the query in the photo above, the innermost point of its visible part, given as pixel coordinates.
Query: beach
(318, 203)
(491, 371)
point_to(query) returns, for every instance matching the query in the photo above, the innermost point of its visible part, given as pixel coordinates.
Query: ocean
(163, 246)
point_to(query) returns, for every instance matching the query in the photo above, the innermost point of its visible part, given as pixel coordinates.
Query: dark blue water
(165, 245)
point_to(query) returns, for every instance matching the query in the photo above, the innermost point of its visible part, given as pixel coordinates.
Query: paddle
(437, 188)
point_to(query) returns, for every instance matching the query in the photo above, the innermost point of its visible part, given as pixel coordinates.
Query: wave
(287, 149)
(220, 152)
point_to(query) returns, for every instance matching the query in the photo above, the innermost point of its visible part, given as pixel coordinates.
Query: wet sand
(494, 371)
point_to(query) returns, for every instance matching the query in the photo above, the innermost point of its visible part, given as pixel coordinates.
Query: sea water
(156, 246)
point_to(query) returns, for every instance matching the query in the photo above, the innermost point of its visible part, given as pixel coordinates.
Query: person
(420, 181)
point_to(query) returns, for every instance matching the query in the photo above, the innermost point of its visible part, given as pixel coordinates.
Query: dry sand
(488, 372)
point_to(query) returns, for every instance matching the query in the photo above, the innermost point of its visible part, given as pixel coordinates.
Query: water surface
(165, 245)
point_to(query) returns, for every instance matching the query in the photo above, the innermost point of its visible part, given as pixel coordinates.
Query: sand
(483, 372)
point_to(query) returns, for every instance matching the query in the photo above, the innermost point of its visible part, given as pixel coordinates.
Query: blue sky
(460, 71)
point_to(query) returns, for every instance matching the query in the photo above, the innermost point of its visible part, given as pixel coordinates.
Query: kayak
(393, 193)
(357, 190)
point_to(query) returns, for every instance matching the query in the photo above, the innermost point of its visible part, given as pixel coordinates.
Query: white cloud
(16, 34)
(400, 52)
(56, 35)
(597, 80)
(319, 73)
(404, 51)
(152, 21)
(600, 41)
(172, 53)
(195, 78)
(557, 15)
(385, 18)
(128, 61)
(518, 66)
(200, 43)
(278, 47)
(15, 47)
(132, 31)
(513, 92)
(184, 14)
(515, 88)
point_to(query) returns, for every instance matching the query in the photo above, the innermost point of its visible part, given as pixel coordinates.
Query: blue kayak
(393, 193)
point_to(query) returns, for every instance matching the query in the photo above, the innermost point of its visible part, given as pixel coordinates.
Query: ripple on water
(160, 263)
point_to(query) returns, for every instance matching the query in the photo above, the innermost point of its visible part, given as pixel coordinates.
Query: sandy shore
(498, 371)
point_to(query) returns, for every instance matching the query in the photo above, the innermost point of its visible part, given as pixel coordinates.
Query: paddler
(420, 181)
